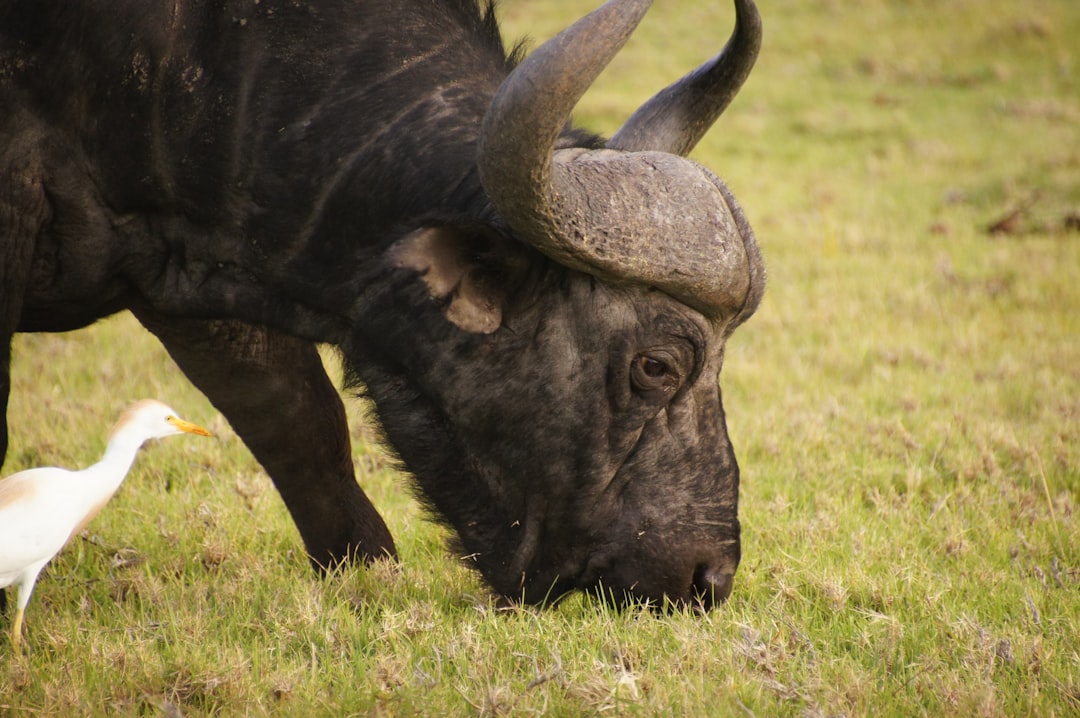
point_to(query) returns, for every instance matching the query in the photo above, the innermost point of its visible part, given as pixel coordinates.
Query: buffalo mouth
(708, 590)
(628, 599)
(699, 587)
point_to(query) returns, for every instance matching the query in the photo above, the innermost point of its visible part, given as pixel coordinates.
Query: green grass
(905, 407)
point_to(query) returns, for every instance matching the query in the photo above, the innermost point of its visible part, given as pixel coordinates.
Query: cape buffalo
(538, 314)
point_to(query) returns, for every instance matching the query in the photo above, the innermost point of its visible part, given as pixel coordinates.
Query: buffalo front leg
(274, 392)
(24, 209)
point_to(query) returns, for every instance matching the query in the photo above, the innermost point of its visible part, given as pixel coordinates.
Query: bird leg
(16, 630)
(25, 587)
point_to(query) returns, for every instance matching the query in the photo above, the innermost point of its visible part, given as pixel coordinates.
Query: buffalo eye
(650, 372)
(652, 367)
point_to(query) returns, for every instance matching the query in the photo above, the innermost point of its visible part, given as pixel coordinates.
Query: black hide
(250, 178)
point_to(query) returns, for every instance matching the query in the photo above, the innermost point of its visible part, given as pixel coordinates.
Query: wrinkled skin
(643, 496)
(247, 190)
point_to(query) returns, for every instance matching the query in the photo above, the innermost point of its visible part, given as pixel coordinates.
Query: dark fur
(235, 176)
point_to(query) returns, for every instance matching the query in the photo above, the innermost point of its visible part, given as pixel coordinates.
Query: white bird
(42, 509)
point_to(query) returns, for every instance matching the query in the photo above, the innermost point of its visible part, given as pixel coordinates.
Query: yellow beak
(188, 426)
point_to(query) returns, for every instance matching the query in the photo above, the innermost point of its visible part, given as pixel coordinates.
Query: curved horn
(677, 117)
(648, 218)
(517, 138)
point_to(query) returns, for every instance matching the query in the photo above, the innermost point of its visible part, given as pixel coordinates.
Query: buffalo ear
(449, 261)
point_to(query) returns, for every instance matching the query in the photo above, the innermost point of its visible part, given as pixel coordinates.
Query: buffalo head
(562, 412)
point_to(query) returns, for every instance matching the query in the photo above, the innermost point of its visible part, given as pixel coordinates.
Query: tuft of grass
(905, 407)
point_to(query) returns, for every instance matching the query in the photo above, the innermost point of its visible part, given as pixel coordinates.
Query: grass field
(905, 407)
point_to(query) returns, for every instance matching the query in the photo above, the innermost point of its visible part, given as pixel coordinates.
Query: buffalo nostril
(712, 585)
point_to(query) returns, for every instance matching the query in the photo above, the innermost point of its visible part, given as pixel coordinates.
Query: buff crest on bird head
(42, 509)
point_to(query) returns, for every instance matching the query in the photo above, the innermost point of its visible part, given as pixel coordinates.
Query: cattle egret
(41, 509)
